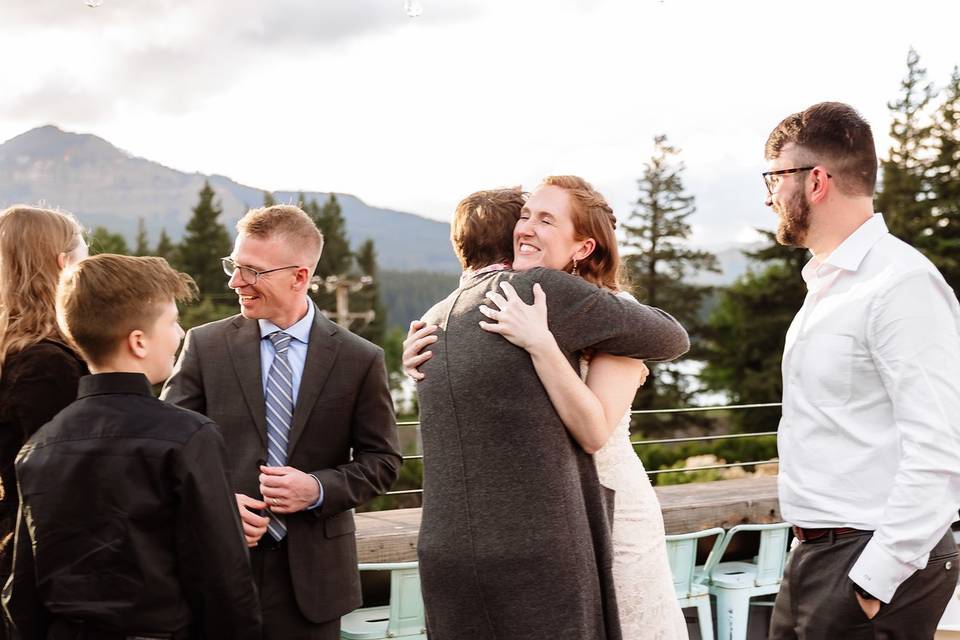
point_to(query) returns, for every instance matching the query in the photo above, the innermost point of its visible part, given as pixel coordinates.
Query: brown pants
(817, 601)
(282, 619)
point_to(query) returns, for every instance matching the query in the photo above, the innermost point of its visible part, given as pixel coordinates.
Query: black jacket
(127, 521)
(35, 384)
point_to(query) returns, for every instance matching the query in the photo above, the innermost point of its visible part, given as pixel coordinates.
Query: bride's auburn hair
(593, 218)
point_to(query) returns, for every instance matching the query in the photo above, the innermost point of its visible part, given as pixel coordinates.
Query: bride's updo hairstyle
(593, 218)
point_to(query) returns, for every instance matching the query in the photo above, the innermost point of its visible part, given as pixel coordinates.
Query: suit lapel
(244, 346)
(321, 355)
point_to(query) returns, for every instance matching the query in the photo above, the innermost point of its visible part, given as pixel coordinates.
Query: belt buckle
(809, 535)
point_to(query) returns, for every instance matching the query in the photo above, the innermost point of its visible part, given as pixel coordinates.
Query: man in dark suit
(307, 417)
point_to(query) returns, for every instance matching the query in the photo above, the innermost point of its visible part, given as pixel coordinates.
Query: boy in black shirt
(128, 527)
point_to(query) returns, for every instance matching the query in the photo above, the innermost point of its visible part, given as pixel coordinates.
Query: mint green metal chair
(734, 584)
(402, 618)
(682, 554)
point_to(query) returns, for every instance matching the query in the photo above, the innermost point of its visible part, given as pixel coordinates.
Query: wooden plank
(724, 503)
(391, 536)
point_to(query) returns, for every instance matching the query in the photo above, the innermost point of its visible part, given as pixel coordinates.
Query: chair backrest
(770, 559)
(406, 602)
(682, 555)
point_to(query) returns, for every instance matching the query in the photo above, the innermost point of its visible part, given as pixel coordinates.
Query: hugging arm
(589, 411)
(583, 316)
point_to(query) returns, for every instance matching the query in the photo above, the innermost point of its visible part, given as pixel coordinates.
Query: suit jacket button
(948, 566)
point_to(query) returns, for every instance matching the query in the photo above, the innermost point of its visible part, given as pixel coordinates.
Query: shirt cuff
(320, 499)
(879, 573)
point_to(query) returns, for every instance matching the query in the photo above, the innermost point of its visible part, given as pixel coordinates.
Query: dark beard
(794, 220)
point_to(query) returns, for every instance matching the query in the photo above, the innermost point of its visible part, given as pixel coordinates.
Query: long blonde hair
(31, 241)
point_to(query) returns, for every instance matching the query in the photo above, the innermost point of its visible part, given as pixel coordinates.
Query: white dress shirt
(296, 356)
(869, 436)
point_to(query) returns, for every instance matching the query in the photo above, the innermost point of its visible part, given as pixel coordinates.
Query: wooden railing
(391, 536)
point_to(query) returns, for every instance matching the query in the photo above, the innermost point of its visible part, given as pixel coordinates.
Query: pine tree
(368, 298)
(904, 197)
(336, 259)
(165, 247)
(944, 243)
(104, 241)
(657, 231)
(204, 244)
(744, 336)
(142, 247)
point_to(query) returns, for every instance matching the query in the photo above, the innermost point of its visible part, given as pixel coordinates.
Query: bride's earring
(575, 271)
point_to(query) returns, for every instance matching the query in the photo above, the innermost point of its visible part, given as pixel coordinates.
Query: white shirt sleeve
(914, 341)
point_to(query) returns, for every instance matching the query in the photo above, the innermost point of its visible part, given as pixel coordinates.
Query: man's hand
(871, 606)
(254, 526)
(418, 338)
(288, 490)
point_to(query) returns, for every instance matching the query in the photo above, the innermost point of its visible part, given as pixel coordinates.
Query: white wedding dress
(646, 599)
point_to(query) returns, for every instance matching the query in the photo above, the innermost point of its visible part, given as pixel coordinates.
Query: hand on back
(524, 325)
(419, 337)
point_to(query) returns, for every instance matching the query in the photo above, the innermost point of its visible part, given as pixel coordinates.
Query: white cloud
(354, 96)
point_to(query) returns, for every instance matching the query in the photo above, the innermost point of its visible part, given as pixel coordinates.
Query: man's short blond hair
(104, 298)
(289, 223)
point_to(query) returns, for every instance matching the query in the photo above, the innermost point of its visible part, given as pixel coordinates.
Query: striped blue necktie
(279, 399)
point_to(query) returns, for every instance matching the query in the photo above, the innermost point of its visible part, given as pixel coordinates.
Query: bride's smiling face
(544, 234)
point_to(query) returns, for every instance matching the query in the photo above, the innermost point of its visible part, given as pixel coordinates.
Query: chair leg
(733, 609)
(705, 620)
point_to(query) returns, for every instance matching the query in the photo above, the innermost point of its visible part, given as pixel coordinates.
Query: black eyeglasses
(772, 178)
(247, 274)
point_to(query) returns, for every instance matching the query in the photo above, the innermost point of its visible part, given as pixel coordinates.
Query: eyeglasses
(772, 178)
(247, 274)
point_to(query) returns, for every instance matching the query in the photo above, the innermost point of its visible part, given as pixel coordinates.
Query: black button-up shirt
(128, 522)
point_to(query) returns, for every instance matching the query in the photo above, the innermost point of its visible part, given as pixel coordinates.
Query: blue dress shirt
(296, 355)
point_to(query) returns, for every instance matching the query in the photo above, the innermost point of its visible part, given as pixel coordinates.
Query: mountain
(105, 186)
(732, 263)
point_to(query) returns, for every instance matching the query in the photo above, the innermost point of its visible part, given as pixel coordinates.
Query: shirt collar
(470, 274)
(300, 330)
(851, 251)
(115, 382)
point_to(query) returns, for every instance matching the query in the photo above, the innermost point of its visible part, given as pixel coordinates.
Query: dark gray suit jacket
(343, 406)
(515, 538)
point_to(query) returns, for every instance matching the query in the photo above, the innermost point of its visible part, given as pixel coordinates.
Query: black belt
(823, 535)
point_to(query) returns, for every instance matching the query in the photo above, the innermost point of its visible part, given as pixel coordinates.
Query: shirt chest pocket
(826, 371)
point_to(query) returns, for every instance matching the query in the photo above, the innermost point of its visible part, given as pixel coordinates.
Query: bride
(568, 225)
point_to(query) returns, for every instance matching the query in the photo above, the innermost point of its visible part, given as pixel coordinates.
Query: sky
(414, 113)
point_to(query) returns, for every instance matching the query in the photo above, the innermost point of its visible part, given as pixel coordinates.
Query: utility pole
(343, 286)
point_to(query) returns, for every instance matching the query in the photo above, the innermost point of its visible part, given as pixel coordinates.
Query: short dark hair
(835, 134)
(482, 228)
(105, 297)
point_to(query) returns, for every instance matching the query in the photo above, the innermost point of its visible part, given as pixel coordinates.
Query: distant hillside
(105, 186)
(407, 295)
(733, 264)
